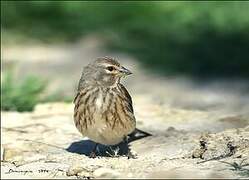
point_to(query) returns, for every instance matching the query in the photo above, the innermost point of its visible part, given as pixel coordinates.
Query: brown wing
(77, 95)
(127, 96)
(79, 111)
(76, 102)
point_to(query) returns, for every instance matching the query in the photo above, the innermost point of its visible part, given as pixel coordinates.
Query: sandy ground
(46, 144)
(200, 129)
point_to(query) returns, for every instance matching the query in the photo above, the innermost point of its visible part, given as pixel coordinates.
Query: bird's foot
(131, 155)
(113, 152)
(92, 155)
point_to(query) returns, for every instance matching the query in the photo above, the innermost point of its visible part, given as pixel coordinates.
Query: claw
(92, 155)
(131, 156)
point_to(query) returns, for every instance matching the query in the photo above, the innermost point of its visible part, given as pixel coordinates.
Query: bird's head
(105, 71)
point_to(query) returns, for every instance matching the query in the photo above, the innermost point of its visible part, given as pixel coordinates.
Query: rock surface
(200, 129)
(46, 144)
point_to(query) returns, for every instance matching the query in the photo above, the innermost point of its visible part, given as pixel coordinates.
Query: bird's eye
(110, 68)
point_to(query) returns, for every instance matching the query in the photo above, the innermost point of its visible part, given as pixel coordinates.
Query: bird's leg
(129, 153)
(93, 153)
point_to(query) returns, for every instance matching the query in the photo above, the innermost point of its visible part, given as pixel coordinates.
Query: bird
(103, 109)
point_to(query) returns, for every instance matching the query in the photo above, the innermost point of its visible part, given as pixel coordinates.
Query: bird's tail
(138, 134)
(139, 131)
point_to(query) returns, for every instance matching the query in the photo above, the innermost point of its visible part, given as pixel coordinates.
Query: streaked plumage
(103, 107)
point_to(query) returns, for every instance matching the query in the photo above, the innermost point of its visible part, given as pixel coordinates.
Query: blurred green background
(197, 39)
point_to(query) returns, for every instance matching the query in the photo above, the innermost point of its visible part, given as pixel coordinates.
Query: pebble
(106, 173)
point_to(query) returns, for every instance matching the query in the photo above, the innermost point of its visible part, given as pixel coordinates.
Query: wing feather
(127, 97)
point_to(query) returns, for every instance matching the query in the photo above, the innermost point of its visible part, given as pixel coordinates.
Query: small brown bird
(103, 107)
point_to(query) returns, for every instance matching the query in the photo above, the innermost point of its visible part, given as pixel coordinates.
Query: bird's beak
(125, 71)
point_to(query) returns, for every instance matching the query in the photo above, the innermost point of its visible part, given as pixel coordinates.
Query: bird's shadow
(86, 146)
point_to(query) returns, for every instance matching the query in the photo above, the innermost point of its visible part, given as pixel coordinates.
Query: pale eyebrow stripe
(106, 65)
